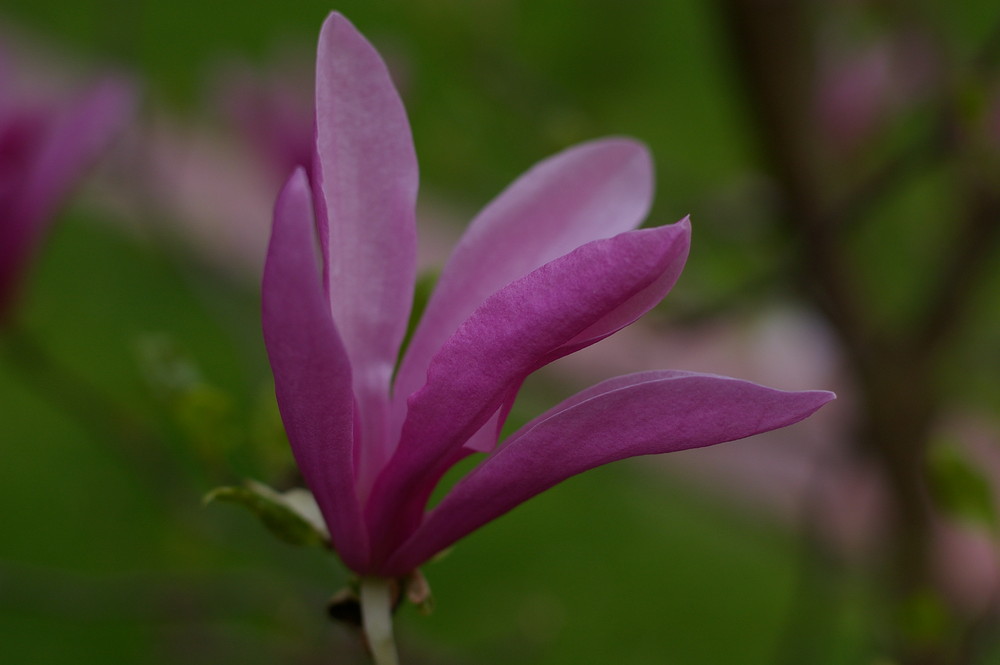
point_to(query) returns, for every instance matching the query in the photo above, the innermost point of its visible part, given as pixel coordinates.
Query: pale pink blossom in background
(205, 192)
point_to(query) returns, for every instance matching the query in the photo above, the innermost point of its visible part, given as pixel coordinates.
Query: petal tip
(677, 234)
(825, 396)
(637, 154)
(296, 185)
(627, 144)
(335, 19)
(811, 401)
(633, 156)
(339, 26)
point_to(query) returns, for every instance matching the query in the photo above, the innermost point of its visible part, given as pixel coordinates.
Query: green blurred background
(101, 563)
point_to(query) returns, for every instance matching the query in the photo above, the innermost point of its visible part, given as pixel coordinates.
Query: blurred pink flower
(859, 90)
(552, 265)
(44, 149)
(854, 96)
(198, 186)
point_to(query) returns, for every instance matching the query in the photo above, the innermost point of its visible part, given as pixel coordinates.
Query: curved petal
(654, 412)
(591, 191)
(312, 374)
(366, 182)
(520, 328)
(625, 313)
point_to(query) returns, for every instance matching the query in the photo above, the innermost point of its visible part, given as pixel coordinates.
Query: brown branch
(974, 247)
(773, 51)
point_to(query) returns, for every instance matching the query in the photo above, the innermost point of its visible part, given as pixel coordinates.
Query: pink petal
(523, 326)
(595, 190)
(366, 180)
(312, 374)
(625, 313)
(654, 412)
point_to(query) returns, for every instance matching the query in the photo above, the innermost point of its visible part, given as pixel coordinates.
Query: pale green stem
(376, 618)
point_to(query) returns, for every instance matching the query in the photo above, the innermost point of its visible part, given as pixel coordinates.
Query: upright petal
(648, 413)
(595, 190)
(530, 322)
(366, 180)
(312, 374)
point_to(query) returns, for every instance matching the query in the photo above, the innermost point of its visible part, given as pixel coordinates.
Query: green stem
(376, 619)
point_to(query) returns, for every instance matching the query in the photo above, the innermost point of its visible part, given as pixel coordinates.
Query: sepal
(292, 516)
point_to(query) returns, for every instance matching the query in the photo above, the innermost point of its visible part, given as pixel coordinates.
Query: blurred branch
(772, 40)
(989, 54)
(975, 245)
(914, 157)
(774, 49)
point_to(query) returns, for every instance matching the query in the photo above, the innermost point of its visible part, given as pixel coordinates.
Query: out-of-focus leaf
(165, 368)
(204, 414)
(292, 516)
(959, 488)
(925, 619)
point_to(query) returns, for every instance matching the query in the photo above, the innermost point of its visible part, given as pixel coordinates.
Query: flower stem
(376, 618)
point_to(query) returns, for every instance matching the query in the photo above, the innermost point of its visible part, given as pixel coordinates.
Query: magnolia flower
(43, 151)
(552, 265)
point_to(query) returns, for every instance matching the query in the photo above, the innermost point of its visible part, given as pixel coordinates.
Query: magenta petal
(517, 330)
(595, 190)
(626, 312)
(312, 374)
(366, 179)
(661, 412)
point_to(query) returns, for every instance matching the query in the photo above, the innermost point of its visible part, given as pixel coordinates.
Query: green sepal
(292, 516)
